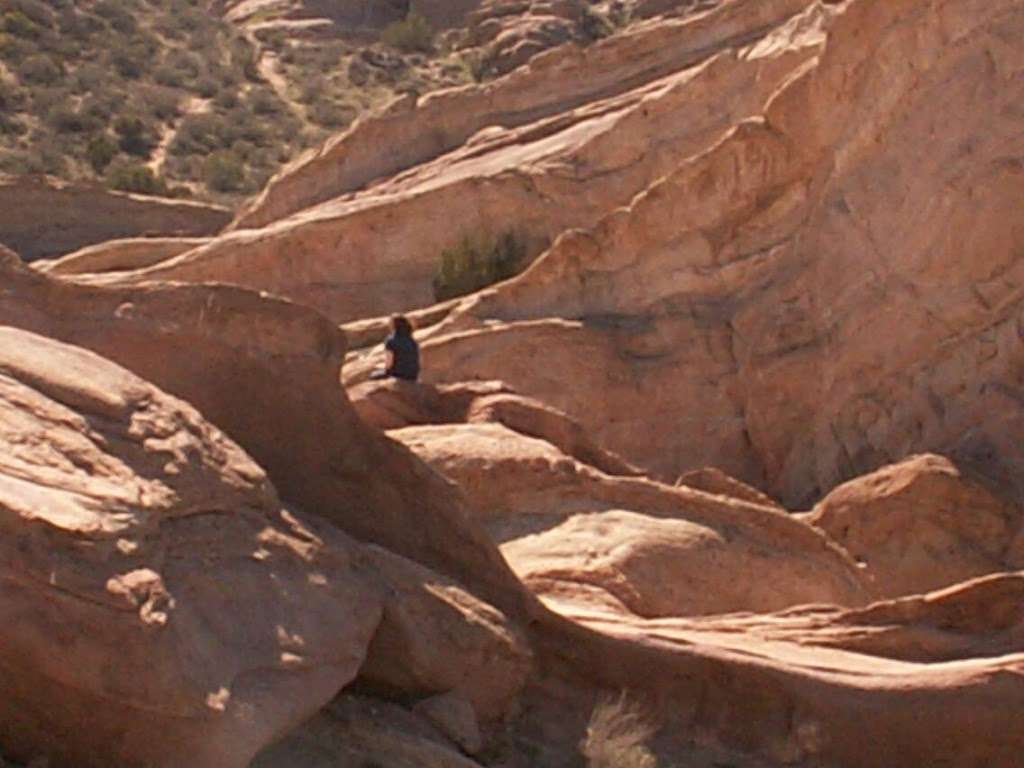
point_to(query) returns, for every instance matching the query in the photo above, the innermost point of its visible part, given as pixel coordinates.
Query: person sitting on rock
(403, 361)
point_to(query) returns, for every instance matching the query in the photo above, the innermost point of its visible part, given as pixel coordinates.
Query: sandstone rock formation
(266, 372)
(41, 217)
(767, 259)
(160, 606)
(358, 731)
(795, 299)
(364, 238)
(919, 525)
(118, 255)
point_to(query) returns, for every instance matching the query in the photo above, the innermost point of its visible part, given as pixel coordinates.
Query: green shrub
(100, 152)
(594, 26)
(18, 24)
(472, 265)
(330, 114)
(39, 70)
(135, 177)
(119, 17)
(162, 103)
(223, 172)
(65, 119)
(413, 33)
(131, 61)
(134, 136)
(263, 101)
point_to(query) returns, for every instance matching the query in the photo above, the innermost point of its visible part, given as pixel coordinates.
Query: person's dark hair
(401, 325)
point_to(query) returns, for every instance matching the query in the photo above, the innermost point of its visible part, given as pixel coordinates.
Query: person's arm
(389, 355)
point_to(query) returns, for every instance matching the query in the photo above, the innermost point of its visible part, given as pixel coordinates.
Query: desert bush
(617, 735)
(38, 12)
(223, 172)
(134, 136)
(131, 61)
(161, 102)
(413, 33)
(15, 50)
(66, 119)
(100, 152)
(135, 177)
(12, 98)
(594, 26)
(120, 18)
(19, 25)
(89, 78)
(475, 264)
(39, 70)
(227, 99)
(199, 134)
(264, 102)
(19, 162)
(206, 87)
(330, 114)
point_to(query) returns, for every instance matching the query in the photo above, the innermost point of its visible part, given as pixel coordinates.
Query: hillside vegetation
(167, 97)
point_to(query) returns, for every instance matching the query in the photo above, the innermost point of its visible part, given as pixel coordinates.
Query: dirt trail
(194, 106)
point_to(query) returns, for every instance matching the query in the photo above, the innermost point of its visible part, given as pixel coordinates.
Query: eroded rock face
(41, 217)
(266, 372)
(575, 535)
(160, 605)
(795, 303)
(118, 255)
(552, 146)
(437, 637)
(393, 404)
(356, 731)
(920, 525)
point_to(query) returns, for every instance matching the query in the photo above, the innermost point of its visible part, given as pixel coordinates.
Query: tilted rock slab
(42, 217)
(265, 371)
(573, 533)
(824, 288)
(159, 606)
(359, 229)
(920, 525)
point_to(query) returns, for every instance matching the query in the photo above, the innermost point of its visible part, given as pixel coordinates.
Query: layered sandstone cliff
(766, 264)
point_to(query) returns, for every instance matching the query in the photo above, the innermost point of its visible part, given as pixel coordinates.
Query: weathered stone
(41, 217)
(160, 606)
(920, 525)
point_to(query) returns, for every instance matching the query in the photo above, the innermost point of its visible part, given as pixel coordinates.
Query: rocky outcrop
(716, 481)
(154, 587)
(119, 255)
(920, 525)
(266, 372)
(572, 533)
(41, 217)
(550, 147)
(436, 637)
(361, 731)
(393, 403)
(795, 299)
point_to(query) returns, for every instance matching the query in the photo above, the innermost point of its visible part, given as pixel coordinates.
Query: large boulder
(574, 534)
(160, 606)
(920, 525)
(436, 637)
(265, 371)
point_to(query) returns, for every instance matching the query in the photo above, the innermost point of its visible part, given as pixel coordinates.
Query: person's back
(405, 356)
